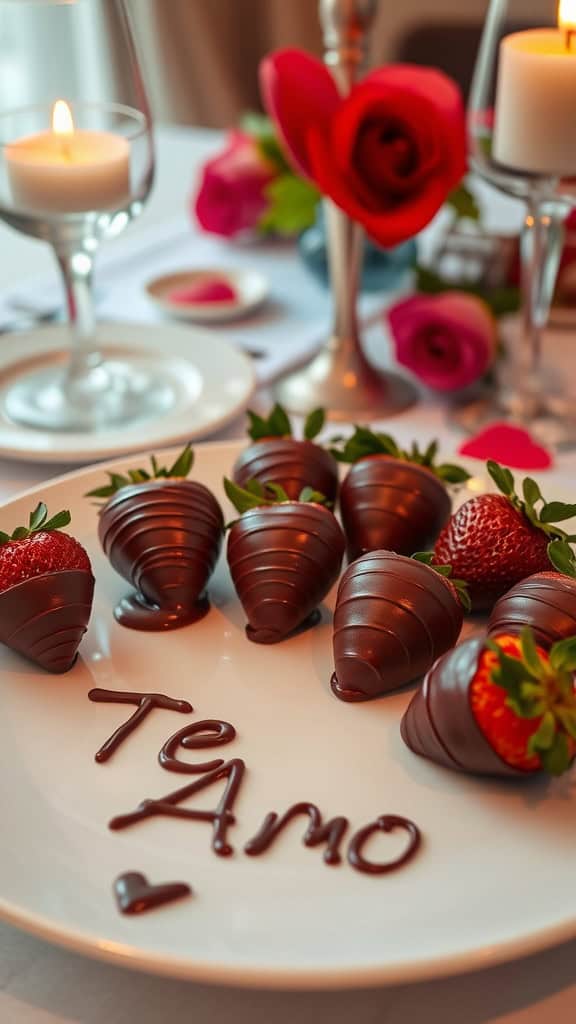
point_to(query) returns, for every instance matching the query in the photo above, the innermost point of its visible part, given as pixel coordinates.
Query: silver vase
(340, 378)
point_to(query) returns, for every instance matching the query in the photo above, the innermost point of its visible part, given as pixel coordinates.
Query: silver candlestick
(340, 378)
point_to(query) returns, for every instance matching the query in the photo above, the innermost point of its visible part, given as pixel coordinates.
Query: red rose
(388, 154)
(231, 197)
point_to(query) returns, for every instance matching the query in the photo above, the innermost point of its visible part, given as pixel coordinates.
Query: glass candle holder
(76, 167)
(520, 119)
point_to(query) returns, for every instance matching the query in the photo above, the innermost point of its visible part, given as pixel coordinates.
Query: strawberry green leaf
(101, 492)
(451, 474)
(423, 556)
(563, 655)
(58, 521)
(4, 537)
(531, 491)
(557, 512)
(183, 464)
(278, 491)
(543, 738)
(502, 477)
(529, 652)
(242, 499)
(562, 557)
(20, 533)
(255, 487)
(279, 423)
(557, 759)
(258, 426)
(308, 494)
(314, 423)
(38, 516)
(430, 454)
(567, 719)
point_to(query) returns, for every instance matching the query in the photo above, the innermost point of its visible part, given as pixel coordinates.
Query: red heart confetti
(512, 446)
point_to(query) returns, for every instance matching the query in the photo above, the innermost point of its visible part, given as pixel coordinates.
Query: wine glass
(522, 140)
(76, 166)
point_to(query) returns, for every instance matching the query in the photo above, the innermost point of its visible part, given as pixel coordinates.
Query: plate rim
(250, 975)
(32, 344)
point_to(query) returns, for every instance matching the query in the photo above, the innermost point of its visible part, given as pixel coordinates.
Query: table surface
(41, 984)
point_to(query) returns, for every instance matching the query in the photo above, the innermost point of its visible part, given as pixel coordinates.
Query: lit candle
(535, 113)
(68, 170)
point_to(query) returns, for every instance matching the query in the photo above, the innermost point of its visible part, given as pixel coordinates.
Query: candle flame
(62, 120)
(567, 14)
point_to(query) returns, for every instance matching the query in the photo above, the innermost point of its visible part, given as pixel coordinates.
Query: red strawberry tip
(543, 688)
(38, 522)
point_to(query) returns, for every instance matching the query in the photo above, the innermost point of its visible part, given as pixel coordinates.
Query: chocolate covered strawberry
(162, 533)
(393, 499)
(394, 616)
(502, 707)
(284, 557)
(495, 540)
(46, 591)
(277, 457)
(546, 601)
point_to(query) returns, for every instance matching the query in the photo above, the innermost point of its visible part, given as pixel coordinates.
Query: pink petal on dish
(297, 90)
(510, 445)
(212, 290)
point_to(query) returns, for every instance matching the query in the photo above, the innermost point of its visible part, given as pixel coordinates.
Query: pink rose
(448, 341)
(231, 197)
(388, 154)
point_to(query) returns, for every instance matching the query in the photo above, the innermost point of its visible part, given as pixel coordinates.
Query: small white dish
(251, 290)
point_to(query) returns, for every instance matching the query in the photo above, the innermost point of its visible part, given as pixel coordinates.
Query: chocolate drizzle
(439, 723)
(168, 806)
(290, 463)
(283, 560)
(391, 504)
(145, 703)
(331, 833)
(45, 617)
(394, 616)
(135, 895)
(164, 537)
(385, 823)
(546, 602)
(209, 733)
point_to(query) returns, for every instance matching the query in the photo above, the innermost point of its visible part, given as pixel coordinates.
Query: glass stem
(77, 267)
(540, 250)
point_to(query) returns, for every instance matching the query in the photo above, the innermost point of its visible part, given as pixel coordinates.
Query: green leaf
(101, 492)
(292, 203)
(531, 491)
(20, 533)
(502, 477)
(255, 487)
(242, 499)
(314, 423)
(568, 721)
(529, 652)
(423, 556)
(258, 426)
(464, 204)
(563, 655)
(278, 423)
(557, 759)
(278, 491)
(4, 537)
(452, 474)
(183, 464)
(38, 516)
(557, 512)
(543, 738)
(463, 594)
(562, 557)
(58, 521)
(308, 494)
(430, 454)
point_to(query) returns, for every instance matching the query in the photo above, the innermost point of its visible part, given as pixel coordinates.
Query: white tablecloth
(40, 984)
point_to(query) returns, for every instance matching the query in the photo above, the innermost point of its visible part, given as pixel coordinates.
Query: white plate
(212, 379)
(493, 880)
(251, 289)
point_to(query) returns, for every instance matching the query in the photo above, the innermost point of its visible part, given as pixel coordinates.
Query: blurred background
(201, 56)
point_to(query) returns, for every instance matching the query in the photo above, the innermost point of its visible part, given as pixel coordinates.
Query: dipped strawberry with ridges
(502, 707)
(495, 540)
(546, 602)
(284, 556)
(162, 533)
(393, 499)
(46, 591)
(276, 457)
(394, 616)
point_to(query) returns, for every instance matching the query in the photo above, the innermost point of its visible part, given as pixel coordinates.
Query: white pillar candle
(535, 112)
(67, 170)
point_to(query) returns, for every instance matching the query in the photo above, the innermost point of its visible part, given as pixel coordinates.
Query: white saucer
(212, 380)
(250, 287)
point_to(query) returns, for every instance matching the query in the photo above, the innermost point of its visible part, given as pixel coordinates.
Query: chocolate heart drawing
(135, 894)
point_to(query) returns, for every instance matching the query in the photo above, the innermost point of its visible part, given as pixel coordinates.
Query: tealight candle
(68, 170)
(536, 98)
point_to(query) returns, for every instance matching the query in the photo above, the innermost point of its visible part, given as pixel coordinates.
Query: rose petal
(513, 446)
(297, 90)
